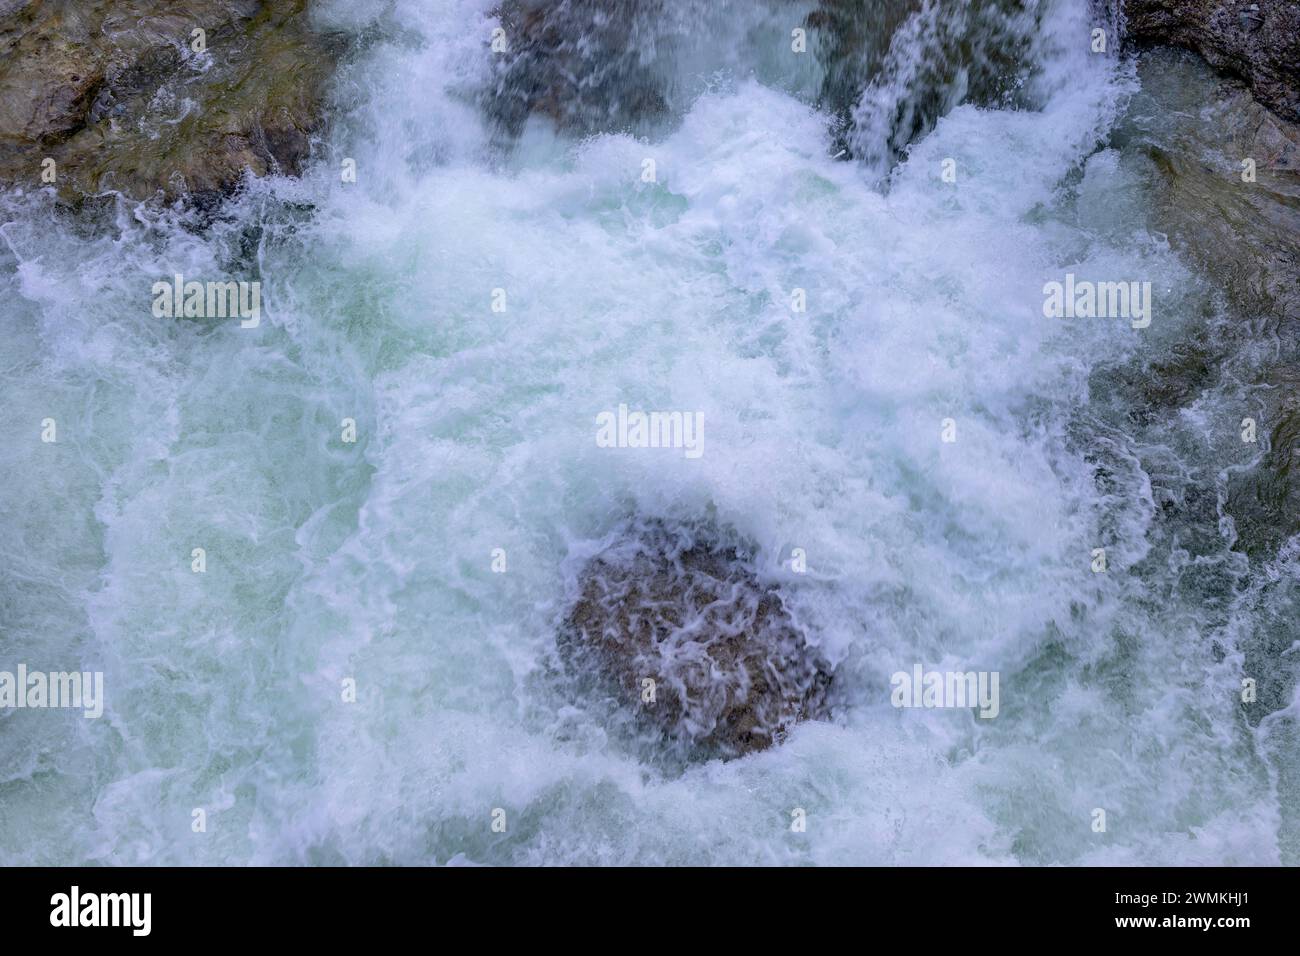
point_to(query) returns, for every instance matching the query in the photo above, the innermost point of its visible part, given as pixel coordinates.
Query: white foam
(373, 561)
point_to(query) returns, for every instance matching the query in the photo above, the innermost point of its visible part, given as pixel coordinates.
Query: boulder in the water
(680, 624)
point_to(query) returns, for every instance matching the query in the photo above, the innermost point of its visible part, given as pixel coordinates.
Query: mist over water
(329, 560)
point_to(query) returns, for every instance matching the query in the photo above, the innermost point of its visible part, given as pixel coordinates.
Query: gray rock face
(731, 670)
(116, 94)
(1257, 40)
(580, 62)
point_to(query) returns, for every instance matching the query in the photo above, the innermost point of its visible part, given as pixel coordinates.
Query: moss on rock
(117, 96)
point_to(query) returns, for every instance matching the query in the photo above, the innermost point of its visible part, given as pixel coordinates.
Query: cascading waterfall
(371, 561)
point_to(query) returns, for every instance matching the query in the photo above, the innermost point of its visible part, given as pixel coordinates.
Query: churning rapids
(372, 561)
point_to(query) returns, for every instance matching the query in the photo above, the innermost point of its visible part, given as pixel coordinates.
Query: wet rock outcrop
(1257, 40)
(729, 670)
(893, 68)
(589, 65)
(123, 95)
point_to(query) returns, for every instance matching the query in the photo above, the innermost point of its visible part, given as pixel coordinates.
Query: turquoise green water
(371, 561)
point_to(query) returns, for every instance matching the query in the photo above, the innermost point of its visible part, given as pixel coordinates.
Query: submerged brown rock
(689, 638)
(116, 94)
(1239, 224)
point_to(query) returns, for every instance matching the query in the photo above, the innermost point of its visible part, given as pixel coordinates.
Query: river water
(372, 561)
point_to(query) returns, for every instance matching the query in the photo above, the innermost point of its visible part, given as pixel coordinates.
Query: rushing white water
(372, 560)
